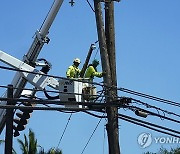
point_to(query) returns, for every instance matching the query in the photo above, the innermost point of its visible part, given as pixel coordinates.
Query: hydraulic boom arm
(39, 40)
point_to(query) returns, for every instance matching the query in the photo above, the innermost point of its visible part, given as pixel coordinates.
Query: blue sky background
(147, 49)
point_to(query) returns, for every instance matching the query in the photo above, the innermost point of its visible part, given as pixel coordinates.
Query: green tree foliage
(165, 151)
(29, 146)
(51, 151)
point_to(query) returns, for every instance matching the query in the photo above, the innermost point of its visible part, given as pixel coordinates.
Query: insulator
(16, 133)
(20, 127)
(22, 120)
(16, 120)
(27, 115)
(26, 110)
(141, 113)
(19, 114)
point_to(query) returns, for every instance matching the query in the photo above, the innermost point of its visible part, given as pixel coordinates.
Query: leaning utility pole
(106, 59)
(112, 112)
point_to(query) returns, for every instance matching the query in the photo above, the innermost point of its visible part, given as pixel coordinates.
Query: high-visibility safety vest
(73, 72)
(91, 72)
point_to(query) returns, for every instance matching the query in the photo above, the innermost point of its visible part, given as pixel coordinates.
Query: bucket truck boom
(40, 39)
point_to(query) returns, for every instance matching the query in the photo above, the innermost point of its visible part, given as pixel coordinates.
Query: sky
(147, 57)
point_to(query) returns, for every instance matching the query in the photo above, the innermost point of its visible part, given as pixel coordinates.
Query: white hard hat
(77, 60)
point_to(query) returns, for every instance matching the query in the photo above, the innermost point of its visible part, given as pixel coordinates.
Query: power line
(90, 5)
(95, 83)
(91, 136)
(157, 108)
(133, 108)
(103, 105)
(54, 91)
(149, 125)
(42, 108)
(142, 123)
(57, 102)
(36, 73)
(149, 97)
(64, 129)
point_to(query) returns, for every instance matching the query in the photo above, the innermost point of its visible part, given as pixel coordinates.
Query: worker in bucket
(73, 71)
(91, 71)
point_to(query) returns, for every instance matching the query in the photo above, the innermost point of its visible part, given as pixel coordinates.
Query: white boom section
(69, 90)
(31, 56)
(36, 78)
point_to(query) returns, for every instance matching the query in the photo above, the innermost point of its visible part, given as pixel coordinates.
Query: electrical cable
(143, 125)
(157, 108)
(91, 136)
(95, 115)
(42, 108)
(64, 130)
(149, 97)
(52, 91)
(121, 89)
(41, 101)
(149, 125)
(90, 5)
(53, 76)
(151, 113)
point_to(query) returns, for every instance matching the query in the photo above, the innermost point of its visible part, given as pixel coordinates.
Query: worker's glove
(103, 73)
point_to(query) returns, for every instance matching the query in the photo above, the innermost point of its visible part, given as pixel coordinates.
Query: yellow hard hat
(77, 60)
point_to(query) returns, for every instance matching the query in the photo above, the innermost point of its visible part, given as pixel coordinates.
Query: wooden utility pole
(112, 125)
(92, 47)
(9, 122)
(105, 47)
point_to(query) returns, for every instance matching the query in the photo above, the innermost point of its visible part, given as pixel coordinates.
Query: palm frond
(32, 142)
(22, 146)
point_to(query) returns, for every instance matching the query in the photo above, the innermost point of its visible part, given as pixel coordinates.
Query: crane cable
(47, 15)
